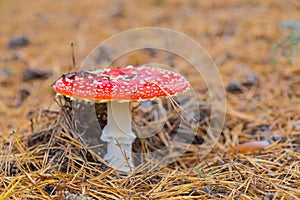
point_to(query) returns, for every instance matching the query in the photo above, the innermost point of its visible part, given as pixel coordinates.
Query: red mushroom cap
(121, 84)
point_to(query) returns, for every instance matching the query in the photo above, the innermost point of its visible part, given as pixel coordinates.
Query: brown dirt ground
(238, 35)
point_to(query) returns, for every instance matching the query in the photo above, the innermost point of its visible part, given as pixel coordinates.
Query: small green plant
(203, 176)
(288, 46)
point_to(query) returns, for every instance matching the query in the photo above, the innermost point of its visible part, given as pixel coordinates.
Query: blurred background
(35, 39)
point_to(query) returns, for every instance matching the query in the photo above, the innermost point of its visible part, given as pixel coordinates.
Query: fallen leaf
(248, 147)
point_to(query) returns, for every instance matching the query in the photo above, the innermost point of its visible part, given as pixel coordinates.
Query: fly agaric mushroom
(118, 87)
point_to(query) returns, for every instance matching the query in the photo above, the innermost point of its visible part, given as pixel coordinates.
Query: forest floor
(254, 44)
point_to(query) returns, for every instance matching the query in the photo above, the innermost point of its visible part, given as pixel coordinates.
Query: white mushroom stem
(119, 136)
